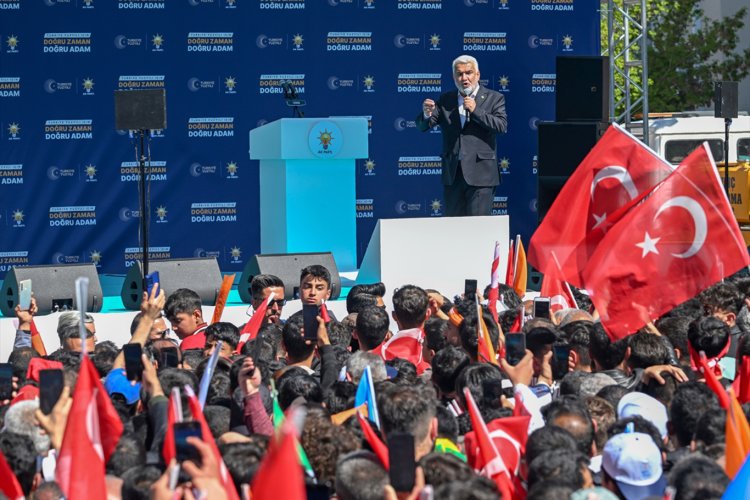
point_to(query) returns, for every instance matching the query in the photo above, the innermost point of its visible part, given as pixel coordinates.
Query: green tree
(688, 52)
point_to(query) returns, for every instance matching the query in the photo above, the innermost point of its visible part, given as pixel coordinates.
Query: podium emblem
(325, 139)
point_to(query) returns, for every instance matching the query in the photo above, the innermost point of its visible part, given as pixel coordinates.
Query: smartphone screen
(541, 307)
(50, 386)
(310, 316)
(402, 463)
(560, 355)
(151, 279)
(515, 347)
(168, 358)
(185, 450)
(133, 363)
(6, 381)
(24, 294)
(470, 289)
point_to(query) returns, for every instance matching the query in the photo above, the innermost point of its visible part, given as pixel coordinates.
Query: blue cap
(117, 383)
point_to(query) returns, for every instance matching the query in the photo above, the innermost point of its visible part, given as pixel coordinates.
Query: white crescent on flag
(620, 174)
(699, 220)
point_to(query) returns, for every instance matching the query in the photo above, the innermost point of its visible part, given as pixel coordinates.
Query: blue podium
(307, 185)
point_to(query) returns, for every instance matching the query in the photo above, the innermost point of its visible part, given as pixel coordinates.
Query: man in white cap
(638, 403)
(631, 466)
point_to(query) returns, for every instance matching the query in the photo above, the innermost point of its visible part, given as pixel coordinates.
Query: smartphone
(24, 294)
(183, 449)
(515, 347)
(560, 355)
(317, 492)
(168, 358)
(133, 362)
(402, 463)
(541, 307)
(6, 381)
(310, 316)
(470, 289)
(51, 384)
(151, 279)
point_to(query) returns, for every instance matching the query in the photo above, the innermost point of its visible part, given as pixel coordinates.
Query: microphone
(466, 92)
(285, 84)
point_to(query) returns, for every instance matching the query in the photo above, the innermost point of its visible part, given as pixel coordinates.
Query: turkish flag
(494, 293)
(9, 485)
(678, 242)
(91, 434)
(613, 176)
(252, 327)
(559, 292)
(280, 474)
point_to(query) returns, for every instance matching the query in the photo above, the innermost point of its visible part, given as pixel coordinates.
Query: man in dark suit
(469, 118)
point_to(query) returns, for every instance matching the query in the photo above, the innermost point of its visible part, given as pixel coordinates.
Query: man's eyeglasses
(277, 302)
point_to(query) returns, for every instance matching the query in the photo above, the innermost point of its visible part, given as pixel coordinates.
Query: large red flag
(378, 446)
(8, 482)
(678, 242)
(91, 434)
(280, 474)
(509, 269)
(741, 384)
(252, 327)
(559, 292)
(617, 171)
(494, 294)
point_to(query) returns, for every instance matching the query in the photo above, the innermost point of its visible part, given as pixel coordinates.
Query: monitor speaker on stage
(562, 147)
(287, 266)
(53, 287)
(141, 109)
(582, 89)
(200, 275)
(725, 99)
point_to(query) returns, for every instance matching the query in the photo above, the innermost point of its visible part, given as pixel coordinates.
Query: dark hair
(406, 371)
(130, 452)
(324, 442)
(360, 476)
(708, 334)
(641, 425)
(647, 350)
(182, 300)
(722, 296)
(603, 415)
(262, 281)
(20, 454)
(434, 332)
(170, 378)
(297, 348)
(570, 407)
(361, 296)
(299, 386)
(661, 392)
(242, 461)
(549, 438)
(690, 400)
(553, 489)
(447, 423)
(340, 396)
(561, 465)
(410, 306)
(226, 332)
(442, 468)
(612, 394)
(698, 477)
(571, 383)
(316, 271)
(607, 353)
(710, 428)
(578, 335)
(675, 328)
(372, 327)
(446, 365)
(476, 488)
(217, 418)
(339, 334)
(468, 333)
(484, 382)
(136, 482)
(20, 357)
(407, 409)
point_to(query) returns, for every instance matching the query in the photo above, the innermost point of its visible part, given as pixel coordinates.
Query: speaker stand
(727, 124)
(145, 208)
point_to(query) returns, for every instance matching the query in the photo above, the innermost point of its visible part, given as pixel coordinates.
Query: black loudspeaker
(200, 275)
(54, 288)
(562, 146)
(582, 89)
(725, 99)
(287, 266)
(141, 109)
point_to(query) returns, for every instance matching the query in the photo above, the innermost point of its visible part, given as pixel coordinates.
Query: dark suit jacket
(474, 145)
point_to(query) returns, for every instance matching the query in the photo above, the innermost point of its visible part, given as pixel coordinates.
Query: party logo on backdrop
(61, 130)
(210, 42)
(271, 84)
(231, 170)
(61, 258)
(140, 5)
(53, 3)
(195, 84)
(18, 219)
(282, 5)
(155, 171)
(63, 43)
(365, 208)
(11, 174)
(126, 214)
(553, 5)
(95, 257)
(199, 169)
(14, 131)
(343, 41)
(402, 41)
(325, 139)
(55, 173)
(10, 4)
(419, 165)
(368, 167)
(157, 43)
(536, 41)
(264, 41)
(404, 207)
(419, 82)
(475, 41)
(298, 42)
(220, 126)
(401, 124)
(503, 83)
(567, 43)
(10, 86)
(123, 42)
(436, 208)
(83, 215)
(235, 255)
(52, 86)
(543, 83)
(202, 253)
(500, 205)
(161, 214)
(137, 82)
(336, 83)
(87, 4)
(132, 254)
(11, 44)
(87, 86)
(89, 173)
(214, 212)
(9, 260)
(419, 4)
(504, 165)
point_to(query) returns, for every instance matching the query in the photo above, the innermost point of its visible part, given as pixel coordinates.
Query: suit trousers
(464, 200)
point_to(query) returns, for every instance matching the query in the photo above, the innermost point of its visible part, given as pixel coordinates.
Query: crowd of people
(630, 418)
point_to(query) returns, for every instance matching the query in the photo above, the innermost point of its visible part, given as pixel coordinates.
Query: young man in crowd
(183, 310)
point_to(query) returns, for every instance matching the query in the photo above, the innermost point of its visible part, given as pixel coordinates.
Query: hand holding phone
(24, 294)
(541, 307)
(133, 362)
(168, 358)
(515, 347)
(184, 450)
(151, 280)
(470, 289)
(560, 356)
(402, 471)
(51, 383)
(310, 314)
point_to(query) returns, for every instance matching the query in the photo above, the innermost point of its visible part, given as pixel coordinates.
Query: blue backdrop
(68, 179)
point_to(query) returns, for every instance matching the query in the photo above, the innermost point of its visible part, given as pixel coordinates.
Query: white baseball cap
(634, 461)
(638, 403)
